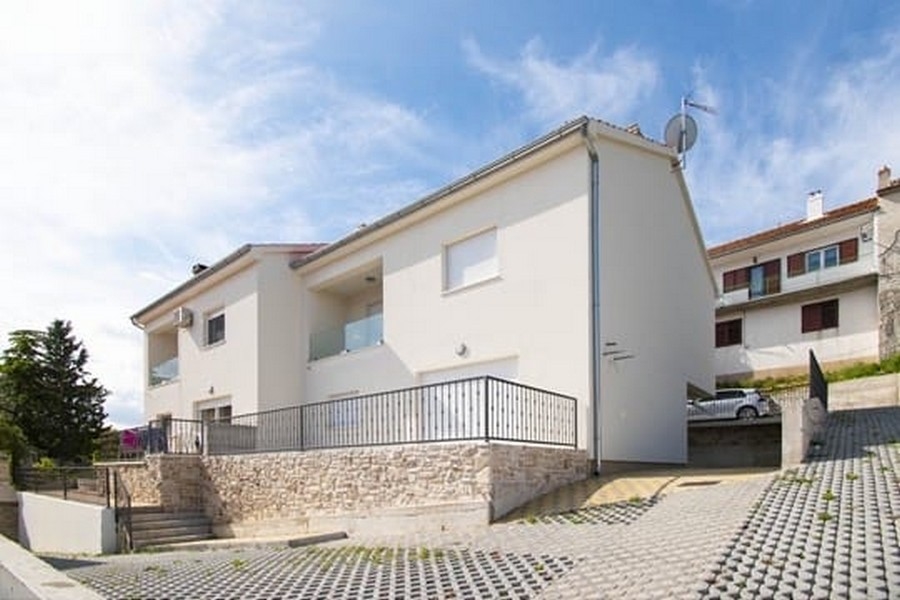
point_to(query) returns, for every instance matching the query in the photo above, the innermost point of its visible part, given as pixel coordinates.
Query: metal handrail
(476, 408)
(123, 509)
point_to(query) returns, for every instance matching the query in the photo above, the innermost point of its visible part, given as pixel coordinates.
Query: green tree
(47, 392)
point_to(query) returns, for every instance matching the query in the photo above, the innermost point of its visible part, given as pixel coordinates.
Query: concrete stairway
(151, 526)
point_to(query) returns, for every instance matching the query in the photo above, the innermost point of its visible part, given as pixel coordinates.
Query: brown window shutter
(811, 318)
(728, 281)
(796, 264)
(741, 278)
(721, 335)
(849, 250)
(772, 274)
(829, 314)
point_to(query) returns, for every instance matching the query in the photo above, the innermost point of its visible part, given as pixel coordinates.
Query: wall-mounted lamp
(462, 350)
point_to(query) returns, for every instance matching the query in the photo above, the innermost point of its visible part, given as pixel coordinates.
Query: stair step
(152, 534)
(174, 539)
(152, 526)
(167, 517)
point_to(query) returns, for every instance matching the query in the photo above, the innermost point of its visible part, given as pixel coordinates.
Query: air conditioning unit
(182, 317)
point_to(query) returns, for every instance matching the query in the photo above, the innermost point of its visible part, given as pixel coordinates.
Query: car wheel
(747, 412)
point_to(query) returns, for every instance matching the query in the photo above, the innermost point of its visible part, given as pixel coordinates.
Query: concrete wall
(803, 422)
(53, 525)
(419, 486)
(24, 576)
(868, 392)
(735, 444)
(657, 300)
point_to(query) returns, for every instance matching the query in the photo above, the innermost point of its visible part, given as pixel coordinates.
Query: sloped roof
(631, 133)
(301, 249)
(783, 231)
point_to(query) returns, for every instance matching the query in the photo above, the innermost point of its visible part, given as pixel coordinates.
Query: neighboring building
(827, 283)
(573, 264)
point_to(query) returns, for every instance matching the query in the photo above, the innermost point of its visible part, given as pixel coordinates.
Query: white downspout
(594, 215)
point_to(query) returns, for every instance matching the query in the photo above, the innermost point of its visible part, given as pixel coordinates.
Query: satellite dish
(681, 133)
(681, 130)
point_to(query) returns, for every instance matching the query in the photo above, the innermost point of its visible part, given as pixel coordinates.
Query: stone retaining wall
(436, 485)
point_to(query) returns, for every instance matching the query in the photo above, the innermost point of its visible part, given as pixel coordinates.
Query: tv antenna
(681, 130)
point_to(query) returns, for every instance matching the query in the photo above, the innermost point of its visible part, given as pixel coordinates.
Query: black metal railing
(818, 386)
(162, 436)
(479, 408)
(87, 484)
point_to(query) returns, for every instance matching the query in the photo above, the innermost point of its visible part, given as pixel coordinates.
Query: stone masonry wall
(271, 486)
(174, 482)
(249, 490)
(520, 473)
(9, 503)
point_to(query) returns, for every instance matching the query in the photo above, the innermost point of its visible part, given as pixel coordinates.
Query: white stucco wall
(280, 351)
(773, 339)
(52, 525)
(535, 312)
(228, 369)
(657, 302)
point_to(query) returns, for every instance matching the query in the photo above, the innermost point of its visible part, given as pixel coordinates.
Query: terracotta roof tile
(770, 235)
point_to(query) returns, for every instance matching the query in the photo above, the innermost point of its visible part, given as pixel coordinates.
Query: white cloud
(754, 164)
(140, 137)
(605, 86)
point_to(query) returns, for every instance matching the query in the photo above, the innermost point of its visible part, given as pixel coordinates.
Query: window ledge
(214, 345)
(161, 384)
(475, 284)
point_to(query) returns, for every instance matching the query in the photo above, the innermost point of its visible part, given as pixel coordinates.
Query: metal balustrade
(479, 408)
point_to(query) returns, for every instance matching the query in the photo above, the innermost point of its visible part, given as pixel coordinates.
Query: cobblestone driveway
(827, 529)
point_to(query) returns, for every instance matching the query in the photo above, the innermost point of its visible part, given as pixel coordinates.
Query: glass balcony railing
(347, 338)
(164, 372)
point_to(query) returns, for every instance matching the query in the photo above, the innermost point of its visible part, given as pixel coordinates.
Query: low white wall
(52, 525)
(26, 577)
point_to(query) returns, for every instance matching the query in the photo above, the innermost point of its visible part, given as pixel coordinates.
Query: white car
(729, 403)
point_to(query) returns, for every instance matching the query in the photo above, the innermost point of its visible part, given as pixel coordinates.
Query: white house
(825, 283)
(573, 264)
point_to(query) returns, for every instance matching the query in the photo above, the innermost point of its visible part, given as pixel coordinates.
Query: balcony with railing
(352, 336)
(346, 313)
(164, 372)
(162, 356)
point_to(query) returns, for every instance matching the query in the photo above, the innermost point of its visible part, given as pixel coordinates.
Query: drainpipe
(594, 214)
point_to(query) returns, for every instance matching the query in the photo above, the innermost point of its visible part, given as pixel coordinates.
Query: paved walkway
(827, 529)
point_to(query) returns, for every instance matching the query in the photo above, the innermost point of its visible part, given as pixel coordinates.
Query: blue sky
(142, 137)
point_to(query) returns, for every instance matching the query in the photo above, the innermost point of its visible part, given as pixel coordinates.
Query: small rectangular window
(830, 256)
(471, 260)
(215, 328)
(819, 316)
(729, 333)
(813, 261)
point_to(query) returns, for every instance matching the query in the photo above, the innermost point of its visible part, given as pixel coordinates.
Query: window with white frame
(471, 260)
(215, 327)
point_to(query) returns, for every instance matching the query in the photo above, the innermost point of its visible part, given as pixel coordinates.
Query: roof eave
(138, 318)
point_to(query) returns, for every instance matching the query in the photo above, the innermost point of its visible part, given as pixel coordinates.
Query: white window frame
(211, 316)
(471, 260)
(820, 252)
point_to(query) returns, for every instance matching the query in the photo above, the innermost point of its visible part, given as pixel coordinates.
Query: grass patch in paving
(332, 572)
(616, 513)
